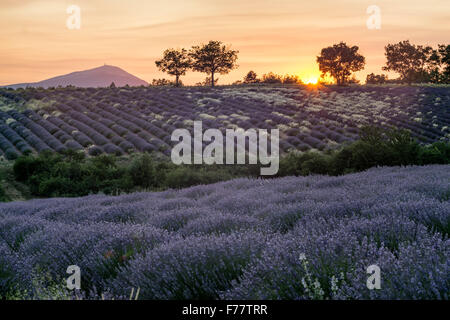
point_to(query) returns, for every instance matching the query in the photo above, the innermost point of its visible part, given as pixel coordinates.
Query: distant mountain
(97, 77)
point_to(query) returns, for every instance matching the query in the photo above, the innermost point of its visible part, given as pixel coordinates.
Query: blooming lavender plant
(286, 238)
(143, 119)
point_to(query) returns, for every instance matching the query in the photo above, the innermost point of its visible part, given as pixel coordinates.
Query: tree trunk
(177, 80)
(212, 79)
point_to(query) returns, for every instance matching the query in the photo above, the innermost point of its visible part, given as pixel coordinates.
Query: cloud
(270, 35)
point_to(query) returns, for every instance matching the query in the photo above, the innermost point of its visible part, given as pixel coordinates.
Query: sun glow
(310, 80)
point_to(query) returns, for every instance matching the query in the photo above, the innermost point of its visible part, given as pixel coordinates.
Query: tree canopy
(406, 59)
(417, 63)
(251, 77)
(175, 62)
(339, 61)
(213, 57)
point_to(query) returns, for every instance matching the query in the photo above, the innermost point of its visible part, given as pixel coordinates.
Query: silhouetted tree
(444, 53)
(376, 78)
(437, 67)
(175, 63)
(206, 82)
(291, 79)
(272, 78)
(340, 61)
(213, 58)
(164, 82)
(434, 66)
(353, 80)
(251, 77)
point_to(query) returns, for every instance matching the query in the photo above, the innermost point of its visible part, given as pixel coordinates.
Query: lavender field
(288, 238)
(123, 120)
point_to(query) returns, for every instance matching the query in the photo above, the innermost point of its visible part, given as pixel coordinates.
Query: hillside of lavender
(287, 238)
(124, 120)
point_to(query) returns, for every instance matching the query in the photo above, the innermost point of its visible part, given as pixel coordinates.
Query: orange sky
(283, 36)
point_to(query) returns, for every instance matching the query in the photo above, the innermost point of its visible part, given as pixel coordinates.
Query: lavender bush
(307, 119)
(289, 238)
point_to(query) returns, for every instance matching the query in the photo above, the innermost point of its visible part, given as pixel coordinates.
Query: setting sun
(310, 80)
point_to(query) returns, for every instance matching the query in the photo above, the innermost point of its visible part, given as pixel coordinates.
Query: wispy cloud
(282, 35)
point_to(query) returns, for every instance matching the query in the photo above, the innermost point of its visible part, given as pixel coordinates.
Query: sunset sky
(283, 36)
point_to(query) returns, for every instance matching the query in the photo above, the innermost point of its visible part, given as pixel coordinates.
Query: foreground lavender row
(240, 239)
(122, 120)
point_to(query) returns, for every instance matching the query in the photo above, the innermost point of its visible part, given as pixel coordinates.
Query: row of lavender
(122, 120)
(289, 238)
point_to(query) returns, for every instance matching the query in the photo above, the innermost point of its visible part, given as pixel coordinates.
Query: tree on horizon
(340, 61)
(408, 60)
(213, 57)
(444, 51)
(175, 62)
(251, 77)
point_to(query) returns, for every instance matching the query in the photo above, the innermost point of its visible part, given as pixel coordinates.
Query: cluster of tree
(376, 78)
(252, 77)
(417, 63)
(70, 174)
(165, 82)
(211, 58)
(414, 63)
(74, 174)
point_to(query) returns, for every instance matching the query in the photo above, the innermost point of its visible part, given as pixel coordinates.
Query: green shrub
(3, 196)
(438, 152)
(24, 168)
(182, 177)
(362, 155)
(142, 171)
(57, 186)
(402, 148)
(74, 174)
(290, 165)
(186, 176)
(376, 147)
(316, 163)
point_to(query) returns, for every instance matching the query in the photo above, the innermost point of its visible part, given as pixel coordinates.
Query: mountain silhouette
(98, 77)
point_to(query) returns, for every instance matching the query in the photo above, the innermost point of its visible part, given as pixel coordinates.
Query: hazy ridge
(98, 77)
